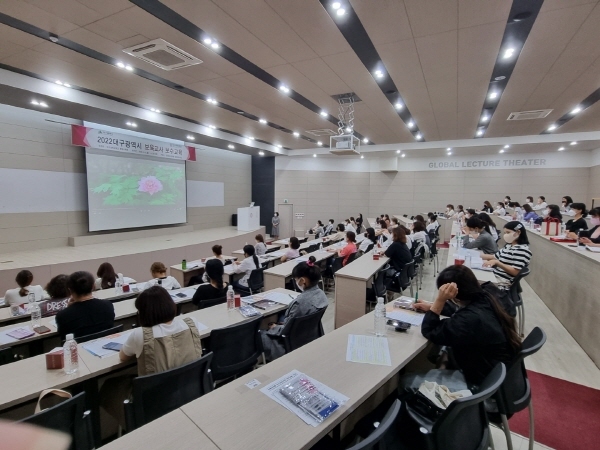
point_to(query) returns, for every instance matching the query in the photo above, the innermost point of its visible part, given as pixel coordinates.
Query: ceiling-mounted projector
(345, 144)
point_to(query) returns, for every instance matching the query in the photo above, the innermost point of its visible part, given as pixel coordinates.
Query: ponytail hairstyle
(351, 235)
(107, 274)
(469, 290)
(476, 222)
(487, 220)
(307, 270)
(214, 271)
(249, 251)
(259, 238)
(461, 208)
(370, 234)
(217, 249)
(24, 279)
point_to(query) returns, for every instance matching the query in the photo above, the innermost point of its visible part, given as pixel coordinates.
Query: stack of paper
(368, 350)
(412, 318)
(280, 297)
(95, 347)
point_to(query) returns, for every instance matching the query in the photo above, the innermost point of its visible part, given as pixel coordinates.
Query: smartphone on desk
(113, 346)
(42, 329)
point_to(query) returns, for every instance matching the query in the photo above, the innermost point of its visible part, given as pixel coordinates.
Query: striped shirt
(517, 256)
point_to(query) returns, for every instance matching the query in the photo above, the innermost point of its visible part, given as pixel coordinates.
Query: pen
(291, 296)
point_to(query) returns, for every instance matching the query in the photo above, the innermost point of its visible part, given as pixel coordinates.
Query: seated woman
(577, 223)
(540, 204)
(260, 248)
(293, 250)
(479, 236)
(512, 257)
(359, 222)
(246, 267)
(107, 277)
(370, 239)
(529, 201)
(393, 224)
(306, 275)
(418, 234)
(348, 226)
(215, 288)
(449, 211)
(20, 295)
(318, 229)
(340, 233)
(487, 207)
(161, 342)
(552, 214)
(347, 250)
(217, 251)
(480, 333)
(387, 220)
(468, 214)
(433, 224)
(565, 206)
(85, 314)
(329, 228)
(398, 251)
(529, 213)
(160, 278)
(460, 212)
(517, 209)
(591, 237)
(490, 223)
(499, 211)
(57, 289)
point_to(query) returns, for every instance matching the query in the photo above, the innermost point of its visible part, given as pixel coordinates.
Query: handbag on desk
(550, 228)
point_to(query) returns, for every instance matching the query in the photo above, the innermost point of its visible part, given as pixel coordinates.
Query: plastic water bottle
(36, 315)
(118, 286)
(230, 298)
(531, 224)
(380, 319)
(468, 260)
(321, 247)
(30, 301)
(71, 355)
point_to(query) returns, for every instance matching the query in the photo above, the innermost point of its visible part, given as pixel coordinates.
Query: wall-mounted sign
(299, 215)
(125, 143)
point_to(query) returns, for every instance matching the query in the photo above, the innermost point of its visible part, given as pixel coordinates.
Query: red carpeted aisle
(567, 415)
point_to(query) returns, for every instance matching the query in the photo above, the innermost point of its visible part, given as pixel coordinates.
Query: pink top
(347, 251)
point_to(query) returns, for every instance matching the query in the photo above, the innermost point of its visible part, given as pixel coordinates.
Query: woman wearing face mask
(578, 222)
(479, 236)
(479, 332)
(552, 214)
(513, 257)
(306, 275)
(468, 214)
(565, 207)
(433, 223)
(449, 211)
(507, 200)
(592, 237)
(370, 239)
(499, 211)
(541, 203)
(487, 207)
(529, 213)
(275, 225)
(349, 249)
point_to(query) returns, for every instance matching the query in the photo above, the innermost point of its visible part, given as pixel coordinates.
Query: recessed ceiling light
(212, 127)
(132, 124)
(120, 65)
(341, 12)
(250, 138)
(493, 95)
(296, 134)
(261, 153)
(262, 120)
(449, 149)
(215, 45)
(323, 113)
(155, 110)
(348, 130)
(479, 132)
(485, 118)
(410, 124)
(362, 156)
(552, 127)
(214, 102)
(231, 146)
(507, 146)
(129, 68)
(207, 40)
(378, 74)
(319, 143)
(449, 153)
(66, 85)
(576, 110)
(336, 5)
(365, 141)
(279, 146)
(43, 104)
(35, 102)
(508, 53)
(398, 151)
(418, 136)
(403, 155)
(500, 78)
(314, 155)
(501, 150)
(284, 88)
(561, 149)
(398, 106)
(574, 143)
(190, 137)
(60, 83)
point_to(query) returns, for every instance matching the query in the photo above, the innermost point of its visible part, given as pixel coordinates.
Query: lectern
(248, 218)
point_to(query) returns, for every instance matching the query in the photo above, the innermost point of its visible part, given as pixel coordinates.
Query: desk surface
(269, 248)
(285, 269)
(363, 268)
(262, 423)
(198, 263)
(482, 275)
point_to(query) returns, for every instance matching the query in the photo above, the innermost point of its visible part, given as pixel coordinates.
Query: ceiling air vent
(162, 54)
(322, 132)
(528, 115)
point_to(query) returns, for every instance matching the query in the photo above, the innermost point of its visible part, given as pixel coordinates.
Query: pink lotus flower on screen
(150, 184)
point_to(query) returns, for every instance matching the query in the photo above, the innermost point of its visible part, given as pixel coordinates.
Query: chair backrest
(235, 348)
(256, 281)
(379, 283)
(337, 264)
(515, 393)
(212, 302)
(7, 355)
(71, 418)
(370, 247)
(373, 441)
(406, 274)
(312, 248)
(160, 393)
(515, 288)
(351, 258)
(464, 425)
(299, 331)
(100, 334)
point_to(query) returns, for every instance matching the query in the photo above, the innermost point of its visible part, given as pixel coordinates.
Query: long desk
(193, 268)
(564, 278)
(270, 248)
(277, 276)
(406, 221)
(351, 283)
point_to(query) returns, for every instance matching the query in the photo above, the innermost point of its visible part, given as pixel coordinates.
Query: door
(286, 214)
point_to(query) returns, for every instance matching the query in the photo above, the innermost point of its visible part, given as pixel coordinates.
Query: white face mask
(299, 287)
(509, 238)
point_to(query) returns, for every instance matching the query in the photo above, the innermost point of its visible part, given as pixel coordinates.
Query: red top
(347, 251)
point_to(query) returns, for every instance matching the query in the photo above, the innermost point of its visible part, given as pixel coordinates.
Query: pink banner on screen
(125, 143)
